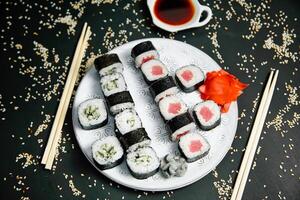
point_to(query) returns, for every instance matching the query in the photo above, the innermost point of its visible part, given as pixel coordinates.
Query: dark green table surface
(246, 38)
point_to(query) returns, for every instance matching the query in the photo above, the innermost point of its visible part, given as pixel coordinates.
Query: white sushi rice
(143, 160)
(121, 106)
(111, 69)
(185, 142)
(142, 144)
(97, 112)
(100, 146)
(112, 84)
(164, 107)
(198, 75)
(148, 66)
(188, 127)
(171, 91)
(127, 120)
(213, 107)
(139, 59)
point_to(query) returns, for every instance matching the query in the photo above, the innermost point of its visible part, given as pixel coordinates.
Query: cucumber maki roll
(181, 125)
(108, 64)
(142, 163)
(92, 114)
(112, 84)
(154, 70)
(126, 121)
(135, 139)
(120, 101)
(207, 115)
(193, 146)
(163, 87)
(144, 52)
(107, 152)
(189, 78)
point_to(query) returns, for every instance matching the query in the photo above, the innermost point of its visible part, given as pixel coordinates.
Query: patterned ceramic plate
(174, 54)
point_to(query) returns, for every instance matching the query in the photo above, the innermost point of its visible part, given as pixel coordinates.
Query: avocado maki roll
(163, 87)
(144, 52)
(189, 78)
(92, 114)
(112, 84)
(108, 64)
(143, 162)
(120, 101)
(107, 152)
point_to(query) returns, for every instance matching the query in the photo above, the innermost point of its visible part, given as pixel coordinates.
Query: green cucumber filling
(142, 159)
(91, 112)
(131, 121)
(110, 85)
(106, 151)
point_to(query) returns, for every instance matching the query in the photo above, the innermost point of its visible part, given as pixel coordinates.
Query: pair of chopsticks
(55, 133)
(254, 137)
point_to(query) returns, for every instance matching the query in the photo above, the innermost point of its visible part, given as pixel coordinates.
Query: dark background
(32, 38)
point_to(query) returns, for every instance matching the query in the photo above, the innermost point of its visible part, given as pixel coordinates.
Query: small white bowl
(193, 23)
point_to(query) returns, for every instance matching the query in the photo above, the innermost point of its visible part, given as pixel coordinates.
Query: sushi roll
(112, 84)
(92, 114)
(189, 78)
(108, 64)
(193, 146)
(135, 139)
(207, 115)
(163, 87)
(142, 163)
(107, 152)
(181, 125)
(126, 121)
(120, 101)
(153, 70)
(171, 106)
(144, 52)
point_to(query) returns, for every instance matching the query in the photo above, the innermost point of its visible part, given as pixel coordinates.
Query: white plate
(174, 54)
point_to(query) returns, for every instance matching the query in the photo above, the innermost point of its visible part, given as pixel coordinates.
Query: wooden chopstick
(65, 99)
(254, 137)
(62, 116)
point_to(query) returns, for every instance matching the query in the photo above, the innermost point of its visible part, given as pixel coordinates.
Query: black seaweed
(141, 48)
(106, 60)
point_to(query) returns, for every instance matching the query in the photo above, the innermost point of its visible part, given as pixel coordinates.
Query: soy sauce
(174, 12)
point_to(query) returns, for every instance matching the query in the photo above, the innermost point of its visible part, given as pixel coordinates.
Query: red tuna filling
(181, 134)
(195, 146)
(187, 75)
(206, 113)
(157, 70)
(174, 108)
(145, 59)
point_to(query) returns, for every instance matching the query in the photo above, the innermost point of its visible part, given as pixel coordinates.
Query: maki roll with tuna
(107, 152)
(112, 84)
(108, 64)
(154, 70)
(207, 115)
(181, 125)
(163, 87)
(189, 78)
(120, 101)
(144, 52)
(193, 146)
(92, 114)
(135, 139)
(142, 163)
(126, 121)
(171, 106)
